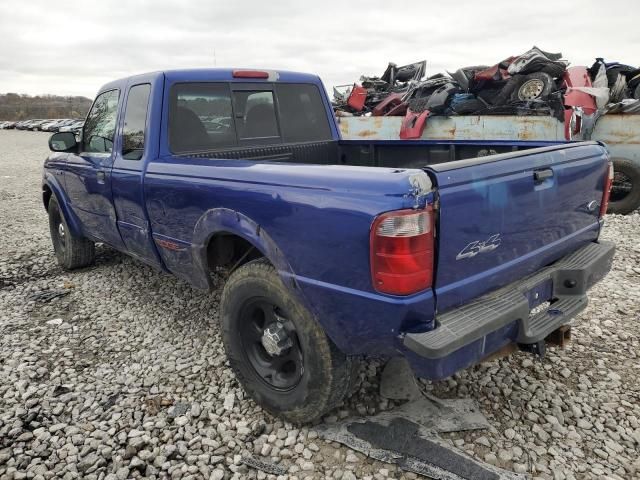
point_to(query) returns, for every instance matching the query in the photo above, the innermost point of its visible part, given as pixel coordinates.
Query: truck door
(88, 178)
(131, 156)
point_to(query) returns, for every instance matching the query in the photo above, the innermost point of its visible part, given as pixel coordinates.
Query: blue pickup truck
(445, 253)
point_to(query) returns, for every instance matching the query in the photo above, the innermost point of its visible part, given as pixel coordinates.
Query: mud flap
(412, 447)
(408, 435)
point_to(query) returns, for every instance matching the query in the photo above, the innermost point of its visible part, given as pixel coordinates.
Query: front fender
(63, 201)
(224, 220)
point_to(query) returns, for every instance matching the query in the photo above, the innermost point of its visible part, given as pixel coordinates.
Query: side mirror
(63, 142)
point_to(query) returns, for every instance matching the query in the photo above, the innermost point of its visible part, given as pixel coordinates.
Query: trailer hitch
(538, 348)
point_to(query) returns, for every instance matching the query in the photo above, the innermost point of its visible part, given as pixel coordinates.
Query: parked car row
(46, 125)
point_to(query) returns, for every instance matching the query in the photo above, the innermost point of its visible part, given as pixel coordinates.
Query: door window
(100, 126)
(135, 122)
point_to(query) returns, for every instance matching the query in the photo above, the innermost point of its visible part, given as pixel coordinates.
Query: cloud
(73, 47)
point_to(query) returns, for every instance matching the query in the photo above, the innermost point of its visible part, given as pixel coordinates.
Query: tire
(533, 86)
(71, 251)
(625, 193)
(469, 107)
(311, 375)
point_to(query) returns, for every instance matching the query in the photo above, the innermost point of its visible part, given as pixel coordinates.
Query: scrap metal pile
(534, 83)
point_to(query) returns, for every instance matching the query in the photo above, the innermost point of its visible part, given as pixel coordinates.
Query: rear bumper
(465, 335)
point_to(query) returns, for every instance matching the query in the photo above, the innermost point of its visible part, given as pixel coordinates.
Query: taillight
(608, 182)
(402, 251)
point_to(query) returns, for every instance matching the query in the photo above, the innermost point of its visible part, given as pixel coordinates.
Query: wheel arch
(51, 189)
(222, 236)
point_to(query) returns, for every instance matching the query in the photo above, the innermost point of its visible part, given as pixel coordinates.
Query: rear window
(200, 117)
(255, 115)
(209, 116)
(303, 117)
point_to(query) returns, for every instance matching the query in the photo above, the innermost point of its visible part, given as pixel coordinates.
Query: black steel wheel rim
(60, 232)
(621, 187)
(280, 372)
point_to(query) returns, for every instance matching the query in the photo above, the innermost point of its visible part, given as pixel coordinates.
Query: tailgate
(505, 216)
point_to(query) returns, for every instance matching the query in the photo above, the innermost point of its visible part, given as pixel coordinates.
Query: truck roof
(217, 75)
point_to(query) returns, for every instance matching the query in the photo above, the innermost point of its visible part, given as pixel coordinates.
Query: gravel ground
(125, 376)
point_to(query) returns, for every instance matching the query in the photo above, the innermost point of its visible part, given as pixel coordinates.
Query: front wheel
(279, 354)
(71, 250)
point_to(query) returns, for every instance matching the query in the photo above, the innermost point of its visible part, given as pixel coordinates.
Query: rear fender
(224, 220)
(63, 201)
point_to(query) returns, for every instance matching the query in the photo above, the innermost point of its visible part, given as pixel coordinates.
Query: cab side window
(200, 117)
(100, 126)
(135, 122)
(303, 117)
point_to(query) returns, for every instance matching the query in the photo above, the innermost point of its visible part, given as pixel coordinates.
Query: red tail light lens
(607, 191)
(402, 251)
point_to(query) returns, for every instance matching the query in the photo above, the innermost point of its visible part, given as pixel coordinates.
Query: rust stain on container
(344, 128)
(367, 133)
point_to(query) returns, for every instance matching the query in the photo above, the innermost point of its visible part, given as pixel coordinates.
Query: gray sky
(73, 47)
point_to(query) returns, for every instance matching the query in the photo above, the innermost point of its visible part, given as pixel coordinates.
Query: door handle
(101, 176)
(540, 176)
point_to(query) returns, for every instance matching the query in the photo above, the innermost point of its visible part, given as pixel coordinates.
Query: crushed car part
(533, 86)
(405, 73)
(536, 60)
(390, 106)
(412, 448)
(439, 100)
(413, 124)
(618, 89)
(47, 295)
(264, 465)
(357, 98)
(397, 381)
(578, 77)
(627, 105)
(531, 89)
(466, 104)
(464, 76)
(497, 72)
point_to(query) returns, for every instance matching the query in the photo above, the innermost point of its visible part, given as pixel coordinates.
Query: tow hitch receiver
(538, 348)
(560, 337)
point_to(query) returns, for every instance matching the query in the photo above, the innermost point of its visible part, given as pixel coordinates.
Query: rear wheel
(625, 191)
(278, 352)
(71, 250)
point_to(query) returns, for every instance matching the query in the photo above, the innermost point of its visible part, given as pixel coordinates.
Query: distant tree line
(14, 106)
